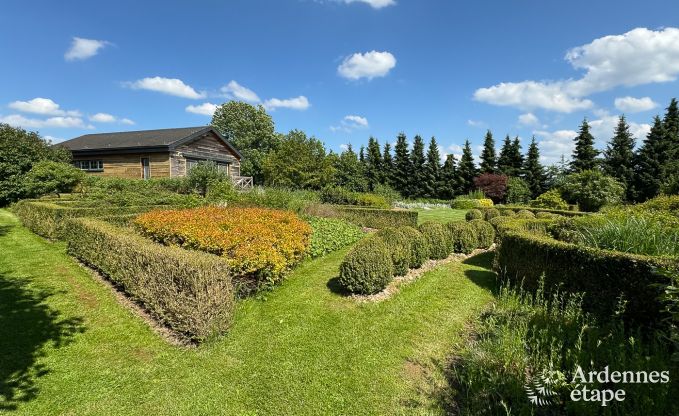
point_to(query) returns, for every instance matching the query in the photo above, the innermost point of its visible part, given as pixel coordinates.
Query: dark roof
(165, 139)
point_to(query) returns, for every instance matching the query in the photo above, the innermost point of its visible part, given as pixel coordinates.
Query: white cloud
(297, 103)
(82, 49)
(528, 119)
(640, 56)
(237, 91)
(102, 118)
(554, 144)
(170, 86)
(57, 122)
(476, 123)
(52, 139)
(635, 105)
(366, 65)
(127, 121)
(206, 109)
(43, 106)
(375, 4)
(603, 128)
(357, 120)
(350, 123)
(344, 146)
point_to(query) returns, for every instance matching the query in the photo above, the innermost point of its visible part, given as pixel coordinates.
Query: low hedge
(463, 236)
(525, 214)
(438, 239)
(526, 252)
(367, 268)
(419, 248)
(485, 233)
(469, 203)
(398, 245)
(365, 217)
(553, 211)
(48, 219)
(190, 291)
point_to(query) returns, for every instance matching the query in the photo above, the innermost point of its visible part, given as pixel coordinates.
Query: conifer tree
(648, 166)
(671, 142)
(534, 172)
(488, 158)
(516, 158)
(361, 154)
(432, 169)
(584, 155)
(402, 166)
(349, 171)
(504, 162)
(467, 168)
(450, 178)
(387, 165)
(373, 163)
(418, 176)
(619, 157)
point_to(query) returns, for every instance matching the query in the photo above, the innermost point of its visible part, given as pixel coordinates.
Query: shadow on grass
(4, 229)
(484, 260)
(486, 278)
(27, 324)
(334, 286)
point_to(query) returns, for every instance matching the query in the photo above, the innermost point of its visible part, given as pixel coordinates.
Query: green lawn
(440, 215)
(68, 347)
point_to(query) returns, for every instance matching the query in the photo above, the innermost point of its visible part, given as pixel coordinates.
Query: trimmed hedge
(462, 236)
(473, 214)
(524, 214)
(419, 248)
(399, 246)
(491, 213)
(469, 203)
(506, 212)
(485, 233)
(48, 219)
(367, 268)
(438, 239)
(190, 291)
(553, 211)
(526, 252)
(365, 217)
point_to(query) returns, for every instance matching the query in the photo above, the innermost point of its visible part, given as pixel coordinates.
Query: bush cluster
(191, 292)
(463, 236)
(398, 245)
(463, 202)
(551, 200)
(419, 249)
(256, 242)
(438, 239)
(331, 234)
(365, 217)
(342, 196)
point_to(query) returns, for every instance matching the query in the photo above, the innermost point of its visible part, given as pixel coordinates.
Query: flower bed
(256, 242)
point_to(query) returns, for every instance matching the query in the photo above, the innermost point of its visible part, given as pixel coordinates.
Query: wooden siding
(129, 166)
(208, 147)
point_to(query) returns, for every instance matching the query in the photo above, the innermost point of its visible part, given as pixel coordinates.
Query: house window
(90, 165)
(223, 167)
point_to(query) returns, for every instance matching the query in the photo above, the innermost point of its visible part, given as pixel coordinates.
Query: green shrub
(419, 248)
(485, 233)
(331, 234)
(277, 198)
(495, 222)
(591, 190)
(507, 212)
(464, 202)
(463, 236)
(525, 214)
(365, 217)
(438, 239)
(546, 215)
(367, 268)
(372, 200)
(190, 291)
(551, 200)
(203, 175)
(474, 214)
(518, 191)
(341, 196)
(669, 203)
(398, 245)
(48, 177)
(491, 213)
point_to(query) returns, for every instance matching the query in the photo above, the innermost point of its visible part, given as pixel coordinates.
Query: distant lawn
(440, 215)
(68, 347)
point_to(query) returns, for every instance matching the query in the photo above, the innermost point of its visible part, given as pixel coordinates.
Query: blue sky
(342, 70)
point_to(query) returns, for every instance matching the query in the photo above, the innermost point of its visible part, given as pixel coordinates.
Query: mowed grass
(440, 215)
(69, 347)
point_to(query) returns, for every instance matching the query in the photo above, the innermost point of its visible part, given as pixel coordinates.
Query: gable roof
(157, 140)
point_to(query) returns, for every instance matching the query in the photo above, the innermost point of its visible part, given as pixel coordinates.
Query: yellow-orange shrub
(258, 242)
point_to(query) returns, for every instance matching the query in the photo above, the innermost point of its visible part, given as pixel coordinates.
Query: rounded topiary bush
(485, 233)
(495, 222)
(546, 215)
(463, 236)
(491, 213)
(438, 240)
(399, 246)
(474, 214)
(525, 214)
(506, 212)
(419, 248)
(367, 268)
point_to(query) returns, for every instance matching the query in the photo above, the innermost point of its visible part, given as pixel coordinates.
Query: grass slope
(70, 348)
(440, 215)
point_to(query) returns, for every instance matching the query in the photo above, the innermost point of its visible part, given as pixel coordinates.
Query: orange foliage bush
(259, 242)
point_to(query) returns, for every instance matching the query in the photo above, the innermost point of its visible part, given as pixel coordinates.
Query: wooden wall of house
(208, 147)
(129, 166)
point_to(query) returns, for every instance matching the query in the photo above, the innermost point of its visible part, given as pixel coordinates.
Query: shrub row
(48, 219)
(341, 196)
(464, 202)
(365, 217)
(372, 263)
(190, 291)
(331, 234)
(526, 251)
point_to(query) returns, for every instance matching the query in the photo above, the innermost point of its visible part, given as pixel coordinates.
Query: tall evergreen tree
(619, 157)
(373, 163)
(349, 171)
(488, 158)
(402, 165)
(387, 165)
(534, 172)
(584, 154)
(361, 154)
(450, 178)
(432, 169)
(516, 158)
(648, 166)
(504, 162)
(418, 176)
(671, 142)
(467, 168)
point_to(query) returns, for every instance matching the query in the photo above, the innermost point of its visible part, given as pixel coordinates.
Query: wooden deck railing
(242, 182)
